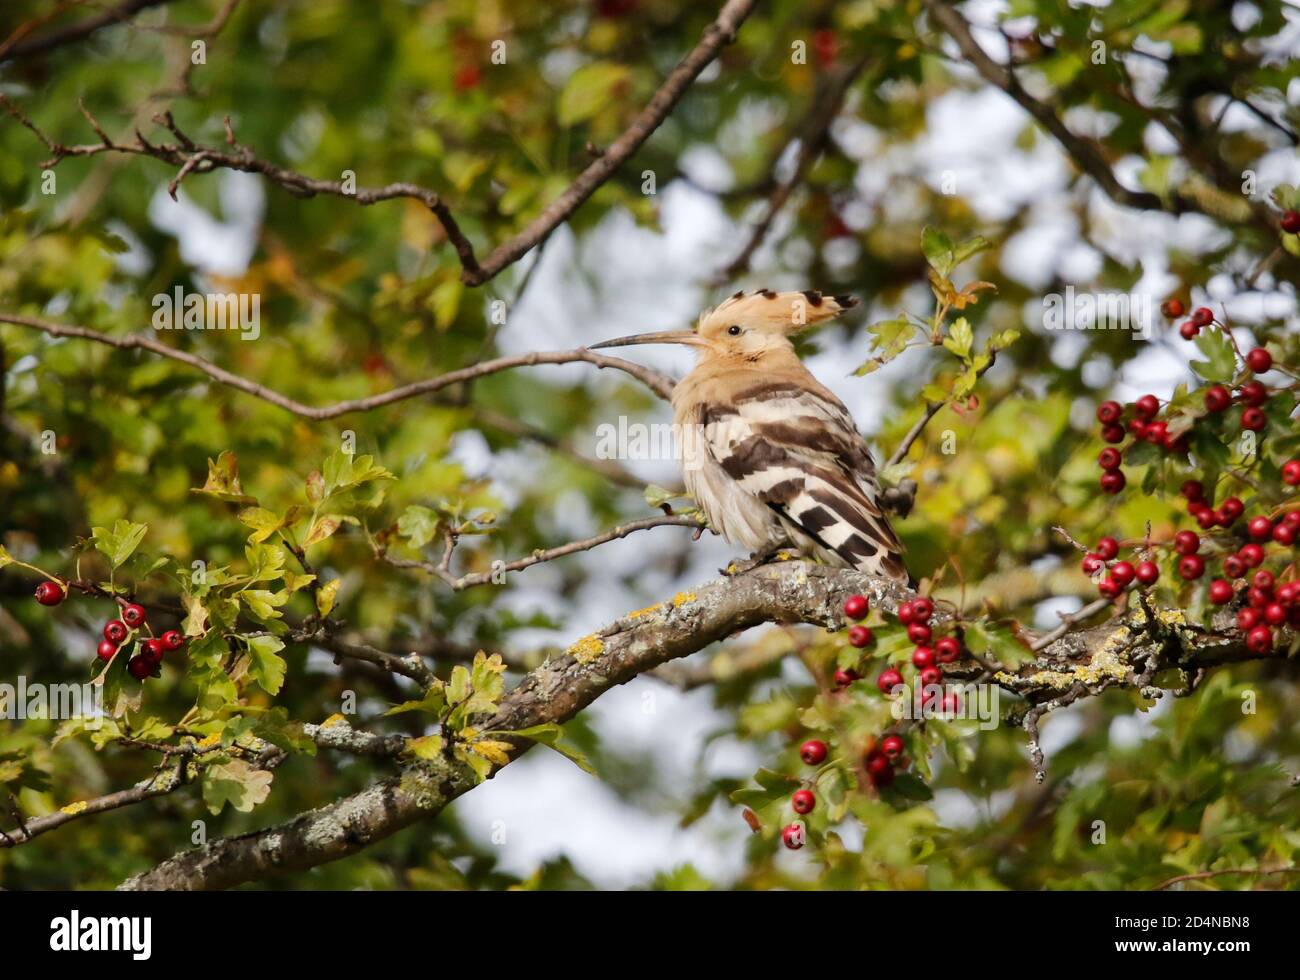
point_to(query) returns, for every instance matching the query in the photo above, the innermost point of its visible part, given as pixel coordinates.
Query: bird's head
(749, 323)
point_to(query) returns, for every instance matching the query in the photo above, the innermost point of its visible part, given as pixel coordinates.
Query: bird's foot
(757, 558)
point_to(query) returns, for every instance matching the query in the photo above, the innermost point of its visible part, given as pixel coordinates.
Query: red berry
(1263, 580)
(1259, 360)
(922, 657)
(1092, 564)
(152, 650)
(856, 606)
(1254, 419)
(882, 778)
(1232, 508)
(906, 613)
(1147, 406)
(49, 593)
(792, 836)
(1187, 542)
(860, 636)
(1108, 413)
(1291, 473)
(1157, 432)
(1107, 548)
(931, 676)
(1147, 572)
(1259, 640)
(1233, 567)
(1109, 458)
(813, 752)
(1258, 598)
(1284, 534)
(1290, 222)
(467, 77)
(947, 650)
(892, 746)
(133, 615)
(1112, 433)
(1275, 614)
(173, 640)
(843, 678)
(1260, 528)
(1122, 572)
(1247, 619)
(139, 667)
(877, 762)
(803, 801)
(115, 630)
(1109, 588)
(1252, 554)
(889, 679)
(1202, 316)
(106, 650)
(1172, 308)
(1217, 398)
(919, 632)
(1220, 592)
(1252, 393)
(1191, 567)
(1188, 330)
(1288, 593)
(922, 608)
(1207, 518)
(1193, 490)
(1112, 481)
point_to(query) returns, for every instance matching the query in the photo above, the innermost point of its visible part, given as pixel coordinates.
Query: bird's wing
(799, 452)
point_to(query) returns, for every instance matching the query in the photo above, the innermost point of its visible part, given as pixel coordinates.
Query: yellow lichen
(638, 613)
(72, 809)
(210, 740)
(1106, 662)
(681, 598)
(587, 649)
(333, 720)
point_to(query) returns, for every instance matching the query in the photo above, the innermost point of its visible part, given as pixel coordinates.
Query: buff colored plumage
(769, 453)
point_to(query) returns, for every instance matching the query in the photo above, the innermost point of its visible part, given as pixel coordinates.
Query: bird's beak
(688, 337)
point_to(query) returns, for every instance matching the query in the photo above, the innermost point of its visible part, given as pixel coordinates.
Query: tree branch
(78, 31)
(659, 383)
(1124, 651)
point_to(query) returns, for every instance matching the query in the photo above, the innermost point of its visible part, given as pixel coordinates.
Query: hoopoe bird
(771, 456)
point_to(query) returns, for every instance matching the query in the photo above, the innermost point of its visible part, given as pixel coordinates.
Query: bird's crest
(772, 312)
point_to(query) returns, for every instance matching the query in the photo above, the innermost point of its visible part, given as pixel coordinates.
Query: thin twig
(660, 384)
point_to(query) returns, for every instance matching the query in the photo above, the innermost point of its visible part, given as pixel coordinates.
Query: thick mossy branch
(1127, 650)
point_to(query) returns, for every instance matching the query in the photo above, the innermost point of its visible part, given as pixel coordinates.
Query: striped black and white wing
(799, 453)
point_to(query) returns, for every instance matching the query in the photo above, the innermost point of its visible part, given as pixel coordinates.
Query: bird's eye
(734, 330)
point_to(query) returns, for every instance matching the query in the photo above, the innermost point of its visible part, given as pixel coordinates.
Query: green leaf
(434, 703)
(552, 736)
(972, 246)
(909, 787)
(960, 338)
(267, 666)
(237, 783)
(1220, 362)
(223, 480)
(118, 544)
(325, 596)
(938, 250)
(5, 557)
(418, 525)
(588, 90)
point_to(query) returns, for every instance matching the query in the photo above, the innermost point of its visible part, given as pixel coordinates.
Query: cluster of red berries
(1201, 317)
(880, 762)
(1145, 426)
(1118, 573)
(146, 663)
(927, 656)
(1269, 605)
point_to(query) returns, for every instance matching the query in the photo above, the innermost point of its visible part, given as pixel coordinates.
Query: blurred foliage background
(1191, 95)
